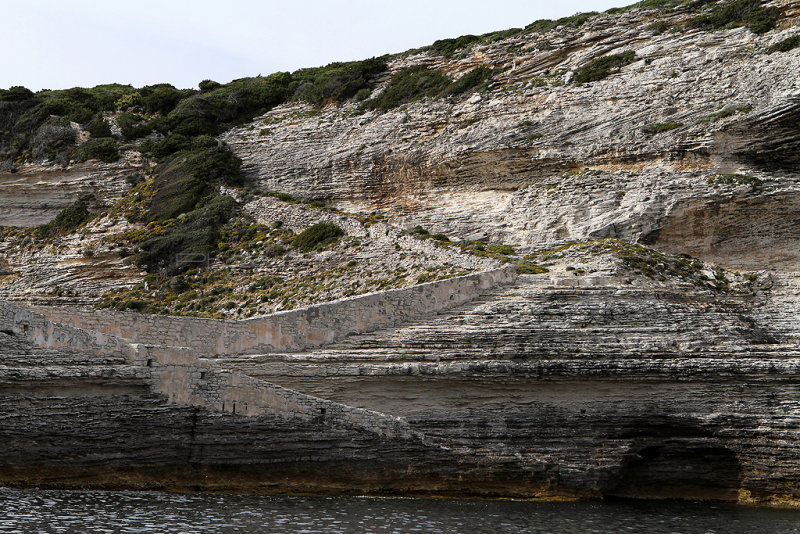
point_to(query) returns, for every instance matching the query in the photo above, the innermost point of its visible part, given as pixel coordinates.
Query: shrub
(68, 219)
(102, 148)
(447, 47)
(52, 136)
(208, 85)
(98, 128)
(545, 25)
(337, 82)
(785, 45)
(469, 82)
(601, 67)
(317, 236)
(197, 233)
(162, 98)
(659, 127)
(750, 13)
(408, 85)
(133, 126)
(215, 111)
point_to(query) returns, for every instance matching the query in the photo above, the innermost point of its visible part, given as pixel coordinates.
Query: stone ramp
(533, 324)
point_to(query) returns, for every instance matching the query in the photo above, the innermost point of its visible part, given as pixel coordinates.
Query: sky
(57, 44)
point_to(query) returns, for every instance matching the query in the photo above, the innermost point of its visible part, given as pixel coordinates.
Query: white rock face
(502, 165)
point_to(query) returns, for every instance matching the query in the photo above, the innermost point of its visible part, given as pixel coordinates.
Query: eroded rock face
(497, 165)
(34, 194)
(589, 384)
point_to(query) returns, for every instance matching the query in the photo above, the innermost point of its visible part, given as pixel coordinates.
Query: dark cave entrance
(678, 471)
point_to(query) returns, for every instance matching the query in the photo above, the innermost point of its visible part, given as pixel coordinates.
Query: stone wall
(292, 330)
(185, 379)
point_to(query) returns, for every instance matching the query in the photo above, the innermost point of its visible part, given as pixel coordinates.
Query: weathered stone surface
(590, 380)
(496, 165)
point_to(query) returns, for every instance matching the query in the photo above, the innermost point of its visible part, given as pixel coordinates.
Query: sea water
(45, 511)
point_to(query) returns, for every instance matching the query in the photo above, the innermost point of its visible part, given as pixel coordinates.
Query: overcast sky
(57, 44)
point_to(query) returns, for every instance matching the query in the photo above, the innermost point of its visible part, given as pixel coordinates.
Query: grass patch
(736, 179)
(659, 127)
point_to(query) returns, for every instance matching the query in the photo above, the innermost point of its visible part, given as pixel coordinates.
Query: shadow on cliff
(672, 459)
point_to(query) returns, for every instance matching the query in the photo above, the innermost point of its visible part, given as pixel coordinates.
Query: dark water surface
(31, 511)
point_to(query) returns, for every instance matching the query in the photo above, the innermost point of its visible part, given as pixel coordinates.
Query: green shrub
(408, 85)
(750, 13)
(657, 27)
(419, 230)
(165, 147)
(317, 236)
(68, 219)
(98, 128)
(52, 137)
(102, 148)
(162, 97)
(601, 67)
(133, 126)
(208, 85)
(448, 47)
(659, 127)
(545, 25)
(215, 111)
(785, 45)
(197, 233)
(337, 82)
(469, 82)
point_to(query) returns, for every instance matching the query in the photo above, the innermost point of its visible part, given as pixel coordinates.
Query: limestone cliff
(649, 345)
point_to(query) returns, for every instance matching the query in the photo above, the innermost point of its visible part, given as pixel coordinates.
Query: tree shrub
(98, 127)
(408, 85)
(785, 45)
(68, 219)
(198, 233)
(336, 82)
(53, 136)
(750, 13)
(102, 148)
(208, 85)
(601, 67)
(448, 47)
(317, 236)
(469, 82)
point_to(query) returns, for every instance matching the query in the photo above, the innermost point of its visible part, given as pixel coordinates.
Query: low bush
(337, 82)
(545, 25)
(197, 233)
(98, 127)
(70, 218)
(409, 85)
(601, 67)
(660, 127)
(750, 13)
(469, 82)
(448, 47)
(208, 85)
(52, 137)
(102, 148)
(318, 236)
(133, 126)
(787, 44)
